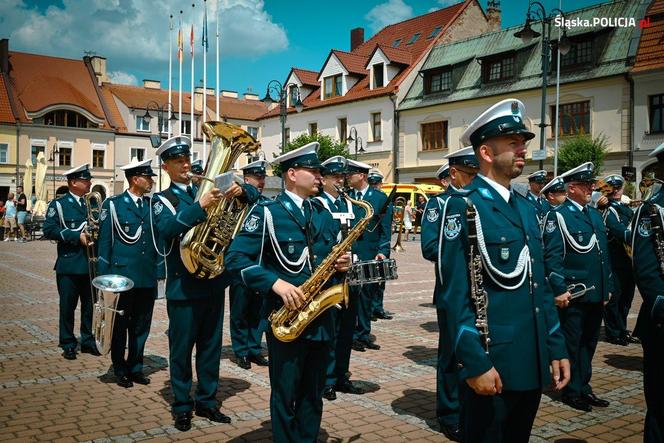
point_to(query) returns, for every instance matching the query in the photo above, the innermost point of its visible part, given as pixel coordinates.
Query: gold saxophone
(202, 248)
(287, 325)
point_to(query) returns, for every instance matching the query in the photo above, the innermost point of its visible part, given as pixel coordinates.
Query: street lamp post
(52, 157)
(155, 140)
(352, 136)
(527, 34)
(281, 93)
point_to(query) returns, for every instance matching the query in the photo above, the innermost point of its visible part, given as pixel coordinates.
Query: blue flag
(204, 40)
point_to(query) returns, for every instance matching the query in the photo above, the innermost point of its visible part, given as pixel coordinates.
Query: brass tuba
(287, 325)
(202, 248)
(108, 289)
(399, 214)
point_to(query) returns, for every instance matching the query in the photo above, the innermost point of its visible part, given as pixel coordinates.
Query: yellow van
(413, 190)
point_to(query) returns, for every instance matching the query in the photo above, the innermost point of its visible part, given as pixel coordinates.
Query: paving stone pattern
(44, 397)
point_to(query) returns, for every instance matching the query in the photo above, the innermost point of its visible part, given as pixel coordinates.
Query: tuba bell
(202, 248)
(399, 214)
(108, 288)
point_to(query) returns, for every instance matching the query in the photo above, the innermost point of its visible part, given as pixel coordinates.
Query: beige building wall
(8, 168)
(645, 85)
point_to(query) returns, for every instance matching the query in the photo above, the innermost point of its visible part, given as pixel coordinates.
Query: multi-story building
(459, 80)
(357, 91)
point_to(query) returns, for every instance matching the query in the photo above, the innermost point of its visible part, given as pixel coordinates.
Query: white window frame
(65, 145)
(38, 142)
(255, 128)
(136, 147)
(140, 118)
(97, 147)
(6, 147)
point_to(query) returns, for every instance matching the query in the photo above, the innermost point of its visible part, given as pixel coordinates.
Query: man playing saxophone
(281, 243)
(126, 248)
(195, 306)
(66, 222)
(505, 354)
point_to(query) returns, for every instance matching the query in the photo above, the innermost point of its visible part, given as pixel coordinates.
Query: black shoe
(369, 345)
(213, 414)
(358, 346)
(578, 403)
(259, 360)
(452, 432)
(140, 378)
(125, 382)
(329, 393)
(69, 353)
(629, 338)
(620, 341)
(92, 350)
(347, 387)
(384, 315)
(243, 362)
(594, 400)
(182, 421)
(374, 318)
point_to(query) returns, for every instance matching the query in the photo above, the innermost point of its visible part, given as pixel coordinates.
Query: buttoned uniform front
(577, 252)
(523, 325)
(537, 202)
(650, 322)
(447, 379)
(127, 247)
(617, 218)
(378, 307)
(375, 240)
(65, 219)
(245, 320)
(195, 306)
(270, 246)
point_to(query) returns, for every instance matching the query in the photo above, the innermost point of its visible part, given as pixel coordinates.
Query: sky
(260, 40)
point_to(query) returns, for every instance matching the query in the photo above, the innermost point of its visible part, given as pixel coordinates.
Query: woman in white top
(408, 219)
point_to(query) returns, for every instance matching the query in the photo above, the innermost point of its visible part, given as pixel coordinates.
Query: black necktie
(81, 201)
(358, 195)
(139, 202)
(337, 203)
(190, 191)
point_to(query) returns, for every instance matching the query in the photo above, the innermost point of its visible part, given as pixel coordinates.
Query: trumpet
(579, 290)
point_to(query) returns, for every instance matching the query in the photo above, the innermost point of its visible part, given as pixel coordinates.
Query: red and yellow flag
(180, 44)
(192, 39)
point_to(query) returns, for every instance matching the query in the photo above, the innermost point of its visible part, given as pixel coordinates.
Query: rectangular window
(313, 128)
(376, 126)
(437, 81)
(287, 133)
(142, 125)
(253, 131)
(656, 112)
(333, 86)
(98, 158)
(186, 127)
(580, 54)
(498, 69)
(378, 75)
(342, 126)
(64, 157)
(35, 150)
(414, 38)
(4, 153)
(434, 136)
(137, 153)
(163, 124)
(293, 95)
(574, 118)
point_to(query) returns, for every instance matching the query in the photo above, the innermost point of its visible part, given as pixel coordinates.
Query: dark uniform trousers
(447, 378)
(131, 330)
(523, 325)
(650, 323)
(582, 318)
(63, 223)
(245, 320)
(617, 220)
(298, 369)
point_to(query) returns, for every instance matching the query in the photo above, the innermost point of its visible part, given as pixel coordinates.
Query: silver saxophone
(478, 294)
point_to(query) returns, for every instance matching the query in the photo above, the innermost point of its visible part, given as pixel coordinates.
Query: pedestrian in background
(10, 218)
(21, 213)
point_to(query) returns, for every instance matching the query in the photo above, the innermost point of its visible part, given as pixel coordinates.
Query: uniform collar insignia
(484, 192)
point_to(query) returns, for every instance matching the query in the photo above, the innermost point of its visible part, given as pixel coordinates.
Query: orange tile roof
(138, 97)
(650, 55)
(6, 113)
(107, 96)
(235, 108)
(403, 53)
(40, 81)
(309, 78)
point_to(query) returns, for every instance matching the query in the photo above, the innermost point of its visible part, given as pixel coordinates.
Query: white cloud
(133, 34)
(384, 14)
(121, 77)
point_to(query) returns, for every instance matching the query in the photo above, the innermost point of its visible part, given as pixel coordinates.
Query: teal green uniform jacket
(523, 324)
(65, 218)
(565, 260)
(128, 252)
(617, 218)
(376, 238)
(433, 212)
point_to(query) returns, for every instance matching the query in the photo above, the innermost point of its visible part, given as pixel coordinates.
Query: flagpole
(217, 80)
(204, 41)
(180, 57)
(170, 73)
(191, 42)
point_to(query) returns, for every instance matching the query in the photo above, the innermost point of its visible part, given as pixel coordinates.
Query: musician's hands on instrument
(560, 373)
(602, 201)
(210, 198)
(380, 257)
(234, 191)
(488, 383)
(343, 263)
(85, 241)
(291, 295)
(562, 301)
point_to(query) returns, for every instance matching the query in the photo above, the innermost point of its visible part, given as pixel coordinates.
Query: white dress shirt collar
(135, 198)
(578, 206)
(500, 189)
(296, 198)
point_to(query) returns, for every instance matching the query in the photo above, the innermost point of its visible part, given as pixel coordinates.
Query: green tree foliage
(328, 147)
(580, 149)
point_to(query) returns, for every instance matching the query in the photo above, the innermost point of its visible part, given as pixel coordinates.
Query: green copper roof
(464, 56)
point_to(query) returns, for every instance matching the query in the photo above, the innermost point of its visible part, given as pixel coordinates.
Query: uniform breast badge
(452, 227)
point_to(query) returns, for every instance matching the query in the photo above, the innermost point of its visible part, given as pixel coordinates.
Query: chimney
(356, 38)
(230, 94)
(250, 96)
(493, 15)
(4, 55)
(198, 98)
(99, 67)
(151, 84)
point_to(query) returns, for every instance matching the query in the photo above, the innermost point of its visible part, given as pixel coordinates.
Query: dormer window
(580, 54)
(396, 43)
(378, 80)
(332, 86)
(414, 38)
(498, 68)
(292, 95)
(434, 32)
(437, 81)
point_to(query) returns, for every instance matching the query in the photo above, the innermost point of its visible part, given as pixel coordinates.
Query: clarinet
(478, 294)
(658, 234)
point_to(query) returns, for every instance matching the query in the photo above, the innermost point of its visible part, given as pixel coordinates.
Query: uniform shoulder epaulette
(265, 202)
(461, 192)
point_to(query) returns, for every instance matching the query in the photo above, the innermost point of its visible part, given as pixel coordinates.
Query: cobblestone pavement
(44, 397)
